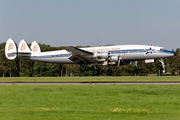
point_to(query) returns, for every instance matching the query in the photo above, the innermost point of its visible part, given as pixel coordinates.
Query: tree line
(27, 68)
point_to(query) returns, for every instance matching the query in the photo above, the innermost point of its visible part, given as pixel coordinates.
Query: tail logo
(10, 47)
(23, 46)
(35, 48)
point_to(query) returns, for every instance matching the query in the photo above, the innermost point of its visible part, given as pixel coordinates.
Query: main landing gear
(109, 72)
(96, 72)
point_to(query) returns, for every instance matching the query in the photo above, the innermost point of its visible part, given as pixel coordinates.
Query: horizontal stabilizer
(10, 49)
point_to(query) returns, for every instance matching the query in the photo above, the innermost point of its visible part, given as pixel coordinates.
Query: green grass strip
(91, 79)
(90, 102)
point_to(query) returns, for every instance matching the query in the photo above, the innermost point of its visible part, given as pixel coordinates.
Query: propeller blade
(136, 63)
(119, 62)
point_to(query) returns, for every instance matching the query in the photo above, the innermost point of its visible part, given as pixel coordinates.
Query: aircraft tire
(95, 72)
(109, 72)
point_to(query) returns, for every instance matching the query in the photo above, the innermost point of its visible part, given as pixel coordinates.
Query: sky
(91, 22)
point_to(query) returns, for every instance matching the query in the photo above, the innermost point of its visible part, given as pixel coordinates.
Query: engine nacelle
(101, 55)
(114, 58)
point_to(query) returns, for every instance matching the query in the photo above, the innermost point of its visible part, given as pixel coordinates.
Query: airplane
(103, 55)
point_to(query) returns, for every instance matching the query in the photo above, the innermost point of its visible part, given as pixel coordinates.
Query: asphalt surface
(87, 83)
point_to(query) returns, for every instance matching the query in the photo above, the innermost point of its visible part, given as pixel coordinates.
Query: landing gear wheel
(95, 72)
(109, 72)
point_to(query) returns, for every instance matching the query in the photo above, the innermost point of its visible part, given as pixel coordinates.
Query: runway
(89, 83)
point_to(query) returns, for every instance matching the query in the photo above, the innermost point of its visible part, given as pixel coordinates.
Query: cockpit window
(162, 49)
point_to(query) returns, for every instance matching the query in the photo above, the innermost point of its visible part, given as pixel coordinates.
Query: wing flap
(78, 60)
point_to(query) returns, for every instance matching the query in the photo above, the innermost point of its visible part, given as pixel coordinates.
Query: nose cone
(168, 53)
(172, 54)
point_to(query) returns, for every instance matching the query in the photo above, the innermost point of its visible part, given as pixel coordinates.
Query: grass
(89, 102)
(90, 79)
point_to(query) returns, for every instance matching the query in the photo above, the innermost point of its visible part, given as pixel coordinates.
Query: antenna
(152, 44)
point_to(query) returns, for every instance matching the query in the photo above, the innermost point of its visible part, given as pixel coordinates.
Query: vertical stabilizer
(10, 49)
(35, 47)
(23, 48)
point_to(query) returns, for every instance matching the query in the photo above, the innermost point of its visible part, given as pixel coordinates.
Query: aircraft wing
(80, 56)
(78, 52)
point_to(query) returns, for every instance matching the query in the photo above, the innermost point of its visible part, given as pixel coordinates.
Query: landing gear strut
(163, 66)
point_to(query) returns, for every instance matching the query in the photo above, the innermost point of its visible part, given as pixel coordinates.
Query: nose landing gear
(163, 66)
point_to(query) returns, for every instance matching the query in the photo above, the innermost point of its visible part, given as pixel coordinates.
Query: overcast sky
(91, 22)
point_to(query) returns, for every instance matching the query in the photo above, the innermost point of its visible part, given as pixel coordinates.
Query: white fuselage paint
(125, 52)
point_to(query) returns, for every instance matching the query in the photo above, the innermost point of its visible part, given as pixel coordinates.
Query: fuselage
(125, 52)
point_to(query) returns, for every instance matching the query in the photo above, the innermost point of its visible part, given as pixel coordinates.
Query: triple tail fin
(35, 47)
(10, 49)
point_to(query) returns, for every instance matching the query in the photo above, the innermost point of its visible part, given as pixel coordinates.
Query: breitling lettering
(35, 48)
(10, 47)
(23, 46)
(103, 49)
